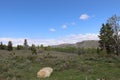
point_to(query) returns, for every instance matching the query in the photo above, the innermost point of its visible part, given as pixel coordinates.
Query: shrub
(80, 51)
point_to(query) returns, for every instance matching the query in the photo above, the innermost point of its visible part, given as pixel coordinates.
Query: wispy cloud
(67, 25)
(52, 29)
(64, 26)
(73, 38)
(84, 16)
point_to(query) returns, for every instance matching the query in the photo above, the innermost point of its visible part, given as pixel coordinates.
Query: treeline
(75, 50)
(10, 46)
(65, 49)
(38, 49)
(34, 49)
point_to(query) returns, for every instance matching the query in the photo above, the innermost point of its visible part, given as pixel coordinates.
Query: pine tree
(9, 47)
(1, 45)
(106, 41)
(25, 44)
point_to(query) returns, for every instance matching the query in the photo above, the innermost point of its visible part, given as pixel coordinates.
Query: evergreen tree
(106, 41)
(25, 44)
(9, 47)
(1, 45)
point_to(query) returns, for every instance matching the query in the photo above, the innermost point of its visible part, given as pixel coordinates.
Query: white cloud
(84, 16)
(64, 26)
(52, 30)
(73, 38)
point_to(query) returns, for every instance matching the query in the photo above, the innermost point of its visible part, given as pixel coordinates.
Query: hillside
(88, 44)
(83, 44)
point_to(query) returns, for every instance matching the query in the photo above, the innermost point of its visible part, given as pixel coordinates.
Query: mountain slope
(83, 44)
(88, 44)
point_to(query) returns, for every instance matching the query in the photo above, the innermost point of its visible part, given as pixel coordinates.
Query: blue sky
(44, 20)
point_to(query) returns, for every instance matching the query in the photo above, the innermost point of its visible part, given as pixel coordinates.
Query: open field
(22, 65)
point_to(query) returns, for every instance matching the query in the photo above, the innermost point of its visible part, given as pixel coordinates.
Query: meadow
(22, 65)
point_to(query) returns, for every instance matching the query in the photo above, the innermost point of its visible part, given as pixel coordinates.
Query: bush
(33, 49)
(20, 47)
(80, 51)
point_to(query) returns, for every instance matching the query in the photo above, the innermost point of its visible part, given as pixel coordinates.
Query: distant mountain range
(83, 44)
